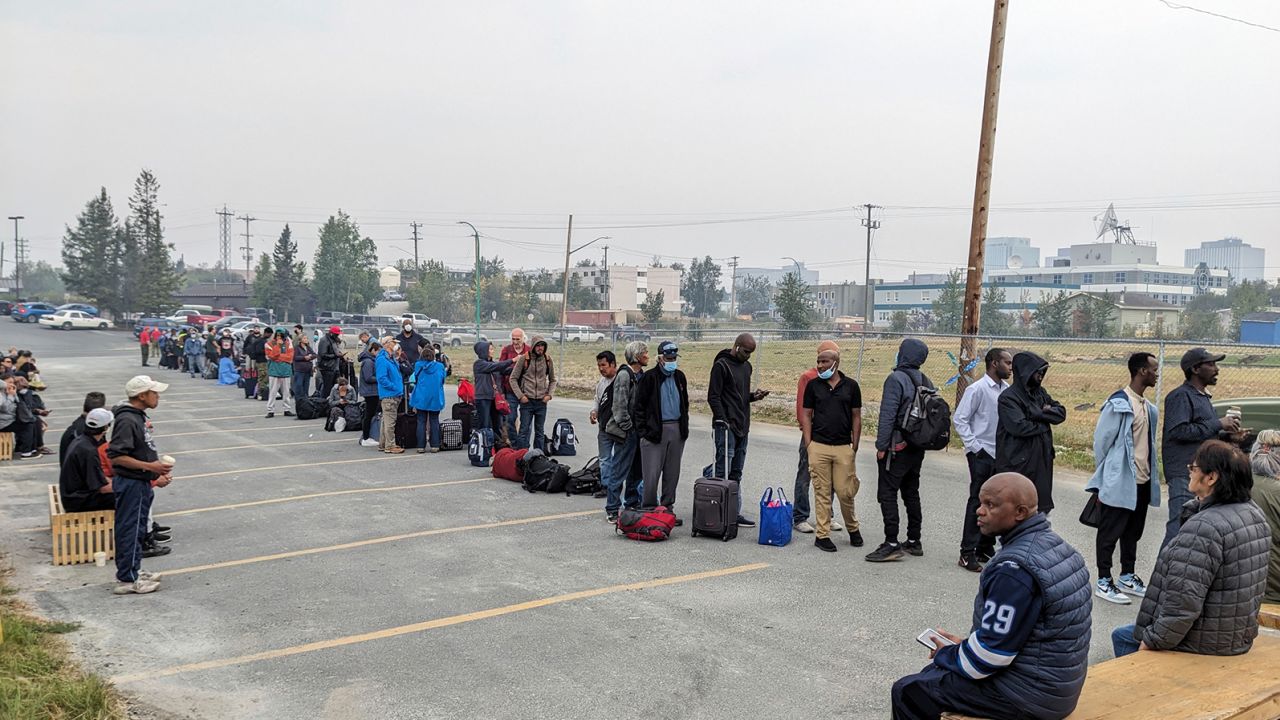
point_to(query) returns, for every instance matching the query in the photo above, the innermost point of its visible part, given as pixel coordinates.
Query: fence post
(1160, 377)
(862, 349)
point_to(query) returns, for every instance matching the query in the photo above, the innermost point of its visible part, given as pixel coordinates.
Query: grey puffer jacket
(1207, 587)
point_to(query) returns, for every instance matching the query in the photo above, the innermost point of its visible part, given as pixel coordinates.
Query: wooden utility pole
(982, 196)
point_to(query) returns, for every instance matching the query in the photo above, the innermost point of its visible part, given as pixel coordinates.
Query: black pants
(933, 691)
(328, 378)
(372, 408)
(981, 467)
(96, 501)
(23, 436)
(900, 476)
(1125, 526)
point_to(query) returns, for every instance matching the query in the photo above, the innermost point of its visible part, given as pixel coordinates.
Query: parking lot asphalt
(313, 578)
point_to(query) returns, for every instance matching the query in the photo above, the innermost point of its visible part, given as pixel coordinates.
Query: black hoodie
(131, 436)
(729, 391)
(1024, 434)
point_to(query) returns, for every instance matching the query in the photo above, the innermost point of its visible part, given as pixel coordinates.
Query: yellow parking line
(377, 541)
(380, 457)
(262, 446)
(437, 623)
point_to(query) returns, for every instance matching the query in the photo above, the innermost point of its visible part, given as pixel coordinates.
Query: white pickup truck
(577, 333)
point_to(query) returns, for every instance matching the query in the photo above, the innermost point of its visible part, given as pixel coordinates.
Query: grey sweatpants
(662, 460)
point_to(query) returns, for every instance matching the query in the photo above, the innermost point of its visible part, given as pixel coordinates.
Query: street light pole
(17, 257)
(476, 234)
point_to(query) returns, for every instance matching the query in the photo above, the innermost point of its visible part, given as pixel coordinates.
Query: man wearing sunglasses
(730, 395)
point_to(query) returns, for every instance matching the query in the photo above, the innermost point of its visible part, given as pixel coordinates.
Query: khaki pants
(390, 409)
(833, 466)
(263, 379)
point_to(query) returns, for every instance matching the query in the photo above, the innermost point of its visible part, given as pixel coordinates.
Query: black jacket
(329, 352)
(81, 474)
(1189, 420)
(131, 436)
(647, 415)
(729, 392)
(73, 431)
(1024, 432)
(256, 348)
(899, 391)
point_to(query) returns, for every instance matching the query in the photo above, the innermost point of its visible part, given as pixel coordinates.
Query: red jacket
(506, 464)
(144, 337)
(805, 377)
(509, 353)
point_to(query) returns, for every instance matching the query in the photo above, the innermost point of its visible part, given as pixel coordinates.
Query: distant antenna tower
(1108, 223)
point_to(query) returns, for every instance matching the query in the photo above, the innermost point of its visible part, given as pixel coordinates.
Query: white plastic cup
(168, 460)
(100, 559)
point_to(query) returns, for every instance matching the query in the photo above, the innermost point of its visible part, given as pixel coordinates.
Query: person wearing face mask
(662, 416)
(279, 352)
(730, 396)
(831, 427)
(1024, 429)
(533, 377)
(800, 513)
(329, 360)
(409, 341)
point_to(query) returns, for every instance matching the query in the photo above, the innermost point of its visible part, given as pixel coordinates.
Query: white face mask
(408, 327)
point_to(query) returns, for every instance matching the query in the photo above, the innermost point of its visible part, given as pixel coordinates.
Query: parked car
(331, 317)
(263, 314)
(577, 333)
(82, 307)
(393, 296)
(153, 322)
(240, 330)
(6, 307)
(216, 327)
(30, 312)
(457, 336)
(420, 320)
(73, 319)
(627, 333)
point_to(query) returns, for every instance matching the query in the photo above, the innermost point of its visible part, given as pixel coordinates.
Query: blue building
(1260, 328)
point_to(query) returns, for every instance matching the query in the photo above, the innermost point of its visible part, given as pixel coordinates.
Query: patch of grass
(36, 678)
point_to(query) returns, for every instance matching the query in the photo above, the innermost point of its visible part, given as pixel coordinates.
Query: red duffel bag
(507, 464)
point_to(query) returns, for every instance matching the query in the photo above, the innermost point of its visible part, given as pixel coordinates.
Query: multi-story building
(1005, 252)
(835, 300)
(624, 287)
(1240, 259)
(915, 299)
(775, 275)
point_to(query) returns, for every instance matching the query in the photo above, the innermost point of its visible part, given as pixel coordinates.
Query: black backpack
(563, 439)
(927, 425)
(585, 481)
(543, 474)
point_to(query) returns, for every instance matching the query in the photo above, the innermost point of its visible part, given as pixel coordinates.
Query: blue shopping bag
(775, 518)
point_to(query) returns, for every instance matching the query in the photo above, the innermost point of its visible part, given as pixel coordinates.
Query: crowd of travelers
(1027, 649)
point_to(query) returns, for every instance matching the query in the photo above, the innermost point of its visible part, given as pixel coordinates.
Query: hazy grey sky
(512, 115)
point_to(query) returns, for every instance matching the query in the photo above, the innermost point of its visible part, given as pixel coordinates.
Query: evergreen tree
(651, 308)
(794, 303)
(436, 295)
(91, 255)
(1053, 316)
(948, 307)
(899, 321)
(158, 278)
(520, 300)
(289, 295)
(1245, 297)
(345, 271)
(1094, 316)
(994, 320)
(264, 283)
(701, 287)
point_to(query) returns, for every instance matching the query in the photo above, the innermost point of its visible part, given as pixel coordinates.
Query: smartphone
(931, 639)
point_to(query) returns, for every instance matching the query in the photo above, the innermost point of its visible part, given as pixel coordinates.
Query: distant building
(835, 300)
(1005, 252)
(915, 299)
(232, 295)
(1237, 257)
(624, 287)
(775, 275)
(1260, 328)
(389, 278)
(1135, 314)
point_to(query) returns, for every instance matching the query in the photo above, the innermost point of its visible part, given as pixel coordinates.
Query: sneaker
(855, 538)
(970, 563)
(984, 557)
(394, 450)
(369, 442)
(153, 550)
(435, 449)
(835, 525)
(803, 526)
(44, 450)
(157, 527)
(149, 576)
(1132, 584)
(745, 522)
(288, 413)
(1107, 591)
(824, 544)
(29, 454)
(270, 415)
(885, 553)
(913, 547)
(161, 538)
(611, 517)
(139, 586)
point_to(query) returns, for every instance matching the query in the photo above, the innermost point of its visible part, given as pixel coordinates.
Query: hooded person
(1024, 432)
(368, 390)
(428, 397)
(730, 396)
(898, 463)
(533, 378)
(488, 376)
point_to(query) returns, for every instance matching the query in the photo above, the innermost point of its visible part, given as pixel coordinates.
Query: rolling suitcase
(451, 435)
(407, 430)
(715, 505)
(463, 412)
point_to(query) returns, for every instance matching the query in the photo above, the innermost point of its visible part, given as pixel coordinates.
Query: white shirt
(977, 415)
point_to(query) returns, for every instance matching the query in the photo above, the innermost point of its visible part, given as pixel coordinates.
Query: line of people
(22, 410)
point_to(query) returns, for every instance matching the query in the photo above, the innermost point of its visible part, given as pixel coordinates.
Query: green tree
(1052, 317)
(158, 278)
(582, 297)
(794, 302)
(898, 321)
(1245, 297)
(754, 294)
(1199, 320)
(651, 308)
(264, 283)
(701, 287)
(437, 295)
(40, 279)
(521, 300)
(948, 307)
(994, 320)
(345, 270)
(91, 255)
(289, 297)
(1095, 316)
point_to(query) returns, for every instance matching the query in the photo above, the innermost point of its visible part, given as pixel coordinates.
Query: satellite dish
(1014, 262)
(1108, 222)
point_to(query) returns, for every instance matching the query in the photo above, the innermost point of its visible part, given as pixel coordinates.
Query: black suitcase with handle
(463, 412)
(715, 505)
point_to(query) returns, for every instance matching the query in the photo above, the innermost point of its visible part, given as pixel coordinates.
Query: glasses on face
(1192, 467)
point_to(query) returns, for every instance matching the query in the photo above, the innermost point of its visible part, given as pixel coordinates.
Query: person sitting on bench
(81, 483)
(1028, 650)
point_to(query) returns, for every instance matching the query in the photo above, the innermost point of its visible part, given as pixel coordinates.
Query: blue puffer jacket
(368, 374)
(390, 381)
(1115, 478)
(428, 386)
(1047, 675)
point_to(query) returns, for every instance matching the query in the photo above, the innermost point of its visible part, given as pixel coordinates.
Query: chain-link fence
(1082, 372)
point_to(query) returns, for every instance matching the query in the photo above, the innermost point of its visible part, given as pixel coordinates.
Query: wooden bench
(6, 446)
(1172, 685)
(1269, 616)
(77, 536)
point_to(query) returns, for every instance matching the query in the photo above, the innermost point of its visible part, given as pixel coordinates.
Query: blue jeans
(800, 498)
(133, 506)
(533, 417)
(733, 447)
(617, 460)
(1122, 641)
(485, 413)
(193, 364)
(1179, 495)
(300, 383)
(433, 417)
(510, 418)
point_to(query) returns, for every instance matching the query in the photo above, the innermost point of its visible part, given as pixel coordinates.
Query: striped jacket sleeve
(1011, 603)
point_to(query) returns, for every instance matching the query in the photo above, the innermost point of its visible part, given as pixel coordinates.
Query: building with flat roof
(1002, 252)
(775, 275)
(833, 300)
(1165, 283)
(915, 299)
(1240, 259)
(624, 287)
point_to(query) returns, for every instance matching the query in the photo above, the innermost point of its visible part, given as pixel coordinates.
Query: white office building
(624, 287)
(914, 299)
(1005, 252)
(1240, 259)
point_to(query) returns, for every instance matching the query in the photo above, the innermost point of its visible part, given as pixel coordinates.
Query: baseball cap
(98, 418)
(1198, 356)
(143, 383)
(335, 330)
(667, 347)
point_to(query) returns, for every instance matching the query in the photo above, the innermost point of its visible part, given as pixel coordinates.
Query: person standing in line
(607, 364)
(800, 510)
(303, 366)
(831, 428)
(279, 352)
(156, 333)
(662, 416)
(227, 345)
(898, 462)
(428, 397)
(1024, 433)
(623, 425)
(369, 391)
(730, 396)
(1189, 420)
(329, 360)
(975, 419)
(487, 374)
(517, 349)
(1124, 453)
(533, 377)
(409, 341)
(144, 343)
(137, 468)
(193, 348)
(210, 350)
(390, 393)
(255, 352)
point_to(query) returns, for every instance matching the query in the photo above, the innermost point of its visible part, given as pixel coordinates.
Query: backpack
(647, 526)
(310, 408)
(480, 448)
(563, 439)
(585, 481)
(927, 425)
(542, 474)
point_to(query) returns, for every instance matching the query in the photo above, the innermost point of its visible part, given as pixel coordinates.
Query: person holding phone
(730, 396)
(1028, 650)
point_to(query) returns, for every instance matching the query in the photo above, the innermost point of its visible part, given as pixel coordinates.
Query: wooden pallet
(1269, 616)
(1171, 685)
(77, 536)
(6, 446)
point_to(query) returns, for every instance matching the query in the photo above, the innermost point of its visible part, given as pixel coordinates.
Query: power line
(1176, 6)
